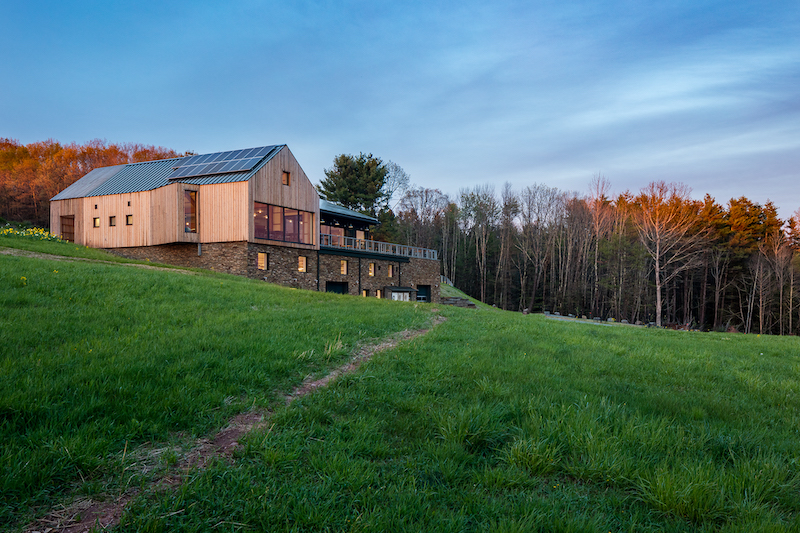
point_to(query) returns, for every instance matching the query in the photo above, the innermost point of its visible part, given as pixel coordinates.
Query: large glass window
(261, 220)
(291, 222)
(278, 223)
(190, 211)
(306, 228)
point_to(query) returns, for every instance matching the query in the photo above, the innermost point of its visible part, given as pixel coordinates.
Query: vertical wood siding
(224, 212)
(64, 208)
(166, 214)
(116, 205)
(267, 187)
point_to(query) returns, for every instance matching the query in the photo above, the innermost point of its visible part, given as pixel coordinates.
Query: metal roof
(88, 183)
(137, 177)
(337, 210)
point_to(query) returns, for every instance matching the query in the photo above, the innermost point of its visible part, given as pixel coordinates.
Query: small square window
(263, 261)
(372, 269)
(343, 267)
(112, 221)
(286, 178)
(301, 264)
(96, 222)
(129, 220)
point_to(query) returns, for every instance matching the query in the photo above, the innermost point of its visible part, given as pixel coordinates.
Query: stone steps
(459, 302)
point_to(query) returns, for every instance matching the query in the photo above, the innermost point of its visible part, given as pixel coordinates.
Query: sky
(459, 94)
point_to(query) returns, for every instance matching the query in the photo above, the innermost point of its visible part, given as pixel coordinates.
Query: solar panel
(220, 162)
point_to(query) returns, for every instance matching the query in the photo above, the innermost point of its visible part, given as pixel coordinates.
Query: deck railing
(376, 247)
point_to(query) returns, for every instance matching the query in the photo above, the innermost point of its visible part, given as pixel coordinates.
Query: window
(372, 269)
(379, 294)
(391, 271)
(112, 221)
(278, 223)
(306, 228)
(129, 204)
(261, 220)
(95, 206)
(129, 220)
(291, 224)
(286, 178)
(263, 261)
(343, 267)
(301, 264)
(96, 222)
(364, 293)
(190, 211)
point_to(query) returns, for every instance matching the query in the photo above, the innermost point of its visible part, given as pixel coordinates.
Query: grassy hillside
(99, 358)
(492, 421)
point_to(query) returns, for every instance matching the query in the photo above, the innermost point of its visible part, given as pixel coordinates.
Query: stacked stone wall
(283, 266)
(227, 257)
(241, 259)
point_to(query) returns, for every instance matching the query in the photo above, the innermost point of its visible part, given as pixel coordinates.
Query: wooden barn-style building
(250, 212)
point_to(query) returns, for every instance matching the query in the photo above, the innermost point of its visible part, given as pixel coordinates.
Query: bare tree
(480, 210)
(540, 207)
(601, 211)
(665, 219)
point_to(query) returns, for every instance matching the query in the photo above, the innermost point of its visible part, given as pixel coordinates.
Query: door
(68, 228)
(339, 287)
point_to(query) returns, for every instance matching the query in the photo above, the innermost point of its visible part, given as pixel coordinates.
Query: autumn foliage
(32, 174)
(657, 256)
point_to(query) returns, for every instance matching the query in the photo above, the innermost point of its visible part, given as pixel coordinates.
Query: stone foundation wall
(227, 257)
(241, 259)
(282, 266)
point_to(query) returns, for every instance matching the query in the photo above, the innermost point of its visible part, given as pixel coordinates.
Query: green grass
(97, 360)
(500, 422)
(491, 422)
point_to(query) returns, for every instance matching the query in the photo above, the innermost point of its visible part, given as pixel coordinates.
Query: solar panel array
(220, 162)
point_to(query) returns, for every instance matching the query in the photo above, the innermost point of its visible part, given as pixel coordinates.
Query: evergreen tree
(356, 183)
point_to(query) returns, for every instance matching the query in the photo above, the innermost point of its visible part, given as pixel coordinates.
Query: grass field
(492, 421)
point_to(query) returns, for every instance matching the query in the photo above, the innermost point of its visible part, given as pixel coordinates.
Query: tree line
(31, 174)
(657, 256)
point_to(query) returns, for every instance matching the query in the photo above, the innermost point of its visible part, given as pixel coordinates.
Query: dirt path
(84, 515)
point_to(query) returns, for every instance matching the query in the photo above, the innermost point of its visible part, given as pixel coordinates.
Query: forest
(656, 257)
(31, 174)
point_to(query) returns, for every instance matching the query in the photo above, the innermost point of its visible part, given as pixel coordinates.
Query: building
(250, 212)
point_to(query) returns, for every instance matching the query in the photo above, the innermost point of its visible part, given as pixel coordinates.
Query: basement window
(301, 264)
(129, 220)
(263, 261)
(96, 222)
(364, 293)
(379, 294)
(112, 221)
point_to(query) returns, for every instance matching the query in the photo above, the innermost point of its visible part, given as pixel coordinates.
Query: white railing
(376, 247)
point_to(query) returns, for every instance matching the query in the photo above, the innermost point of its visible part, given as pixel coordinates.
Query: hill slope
(492, 421)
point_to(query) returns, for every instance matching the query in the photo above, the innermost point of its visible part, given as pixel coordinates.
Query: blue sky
(458, 93)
